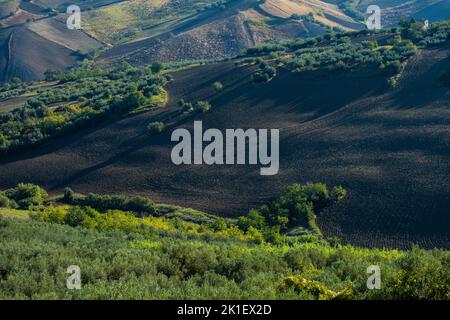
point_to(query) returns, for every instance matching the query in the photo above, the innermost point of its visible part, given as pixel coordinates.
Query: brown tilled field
(389, 149)
(27, 55)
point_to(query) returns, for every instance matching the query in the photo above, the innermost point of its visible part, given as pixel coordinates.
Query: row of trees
(83, 96)
(346, 50)
(297, 207)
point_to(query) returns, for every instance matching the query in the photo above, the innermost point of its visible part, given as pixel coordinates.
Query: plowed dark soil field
(390, 149)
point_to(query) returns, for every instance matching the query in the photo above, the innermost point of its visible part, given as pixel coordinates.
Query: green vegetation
(131, 248)
(79, 98)
(350, 8)
(437, 34)
(265, 72)
(23, 196)
(156, 127)
(199, 106)
(156, 67)
(296, 208)
(306, 17)
(218, 86)
(118, 261)
(138, 205)
(202, 106)
(351, 50)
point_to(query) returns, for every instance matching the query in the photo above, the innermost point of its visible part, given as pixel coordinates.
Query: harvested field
(61, 5)
(390, 149)
(27, 55)
(12, 103)
(285, 8)
(8, 6)
(326, 13)
(19, 17)
(55, 30)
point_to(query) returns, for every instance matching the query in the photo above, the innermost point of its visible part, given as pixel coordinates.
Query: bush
(68, 195)
(202, 106)
(264, 74)
(186, 106)
(137, 204)
(50, 214)
(156, 67)
(317, 290)
(422, 276)
(4, 201)
(318, 194)
(338, 193)
(218, 86)
(156, 127)
(254, 219)
(27, 194)
(74, 216)
(392, 83)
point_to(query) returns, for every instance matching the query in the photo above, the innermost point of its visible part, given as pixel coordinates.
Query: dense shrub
(119, 264)
(5, 202)
(202, 106)
(26, 195)
(156, 127)
(156, 67)
(264, 73)
(338, 193)
(84, 96)
(137, 204)
(218, 86)
(69, 195)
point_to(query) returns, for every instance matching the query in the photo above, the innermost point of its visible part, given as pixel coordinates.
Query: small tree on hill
(156, 67)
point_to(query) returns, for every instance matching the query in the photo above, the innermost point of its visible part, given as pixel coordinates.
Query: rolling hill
(388, 147)
(227, 30)
(141, 31)
(393, 10)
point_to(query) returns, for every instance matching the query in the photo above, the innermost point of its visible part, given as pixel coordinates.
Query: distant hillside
(227, 30)
(393, 10)
(27, 55)
(141, 31)
(8, 6)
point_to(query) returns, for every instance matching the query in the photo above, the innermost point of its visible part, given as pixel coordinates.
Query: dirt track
(391, 150)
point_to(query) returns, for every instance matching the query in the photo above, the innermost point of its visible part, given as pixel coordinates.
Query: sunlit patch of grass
(14, 213)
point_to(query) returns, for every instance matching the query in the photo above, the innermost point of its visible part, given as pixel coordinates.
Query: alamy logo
(235, 146)
(74, 280)
(373, 21)
(74, 20)
(374, 280)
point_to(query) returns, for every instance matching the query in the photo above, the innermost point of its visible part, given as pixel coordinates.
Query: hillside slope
(390, 149)
(27, 55)
(227, 31)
